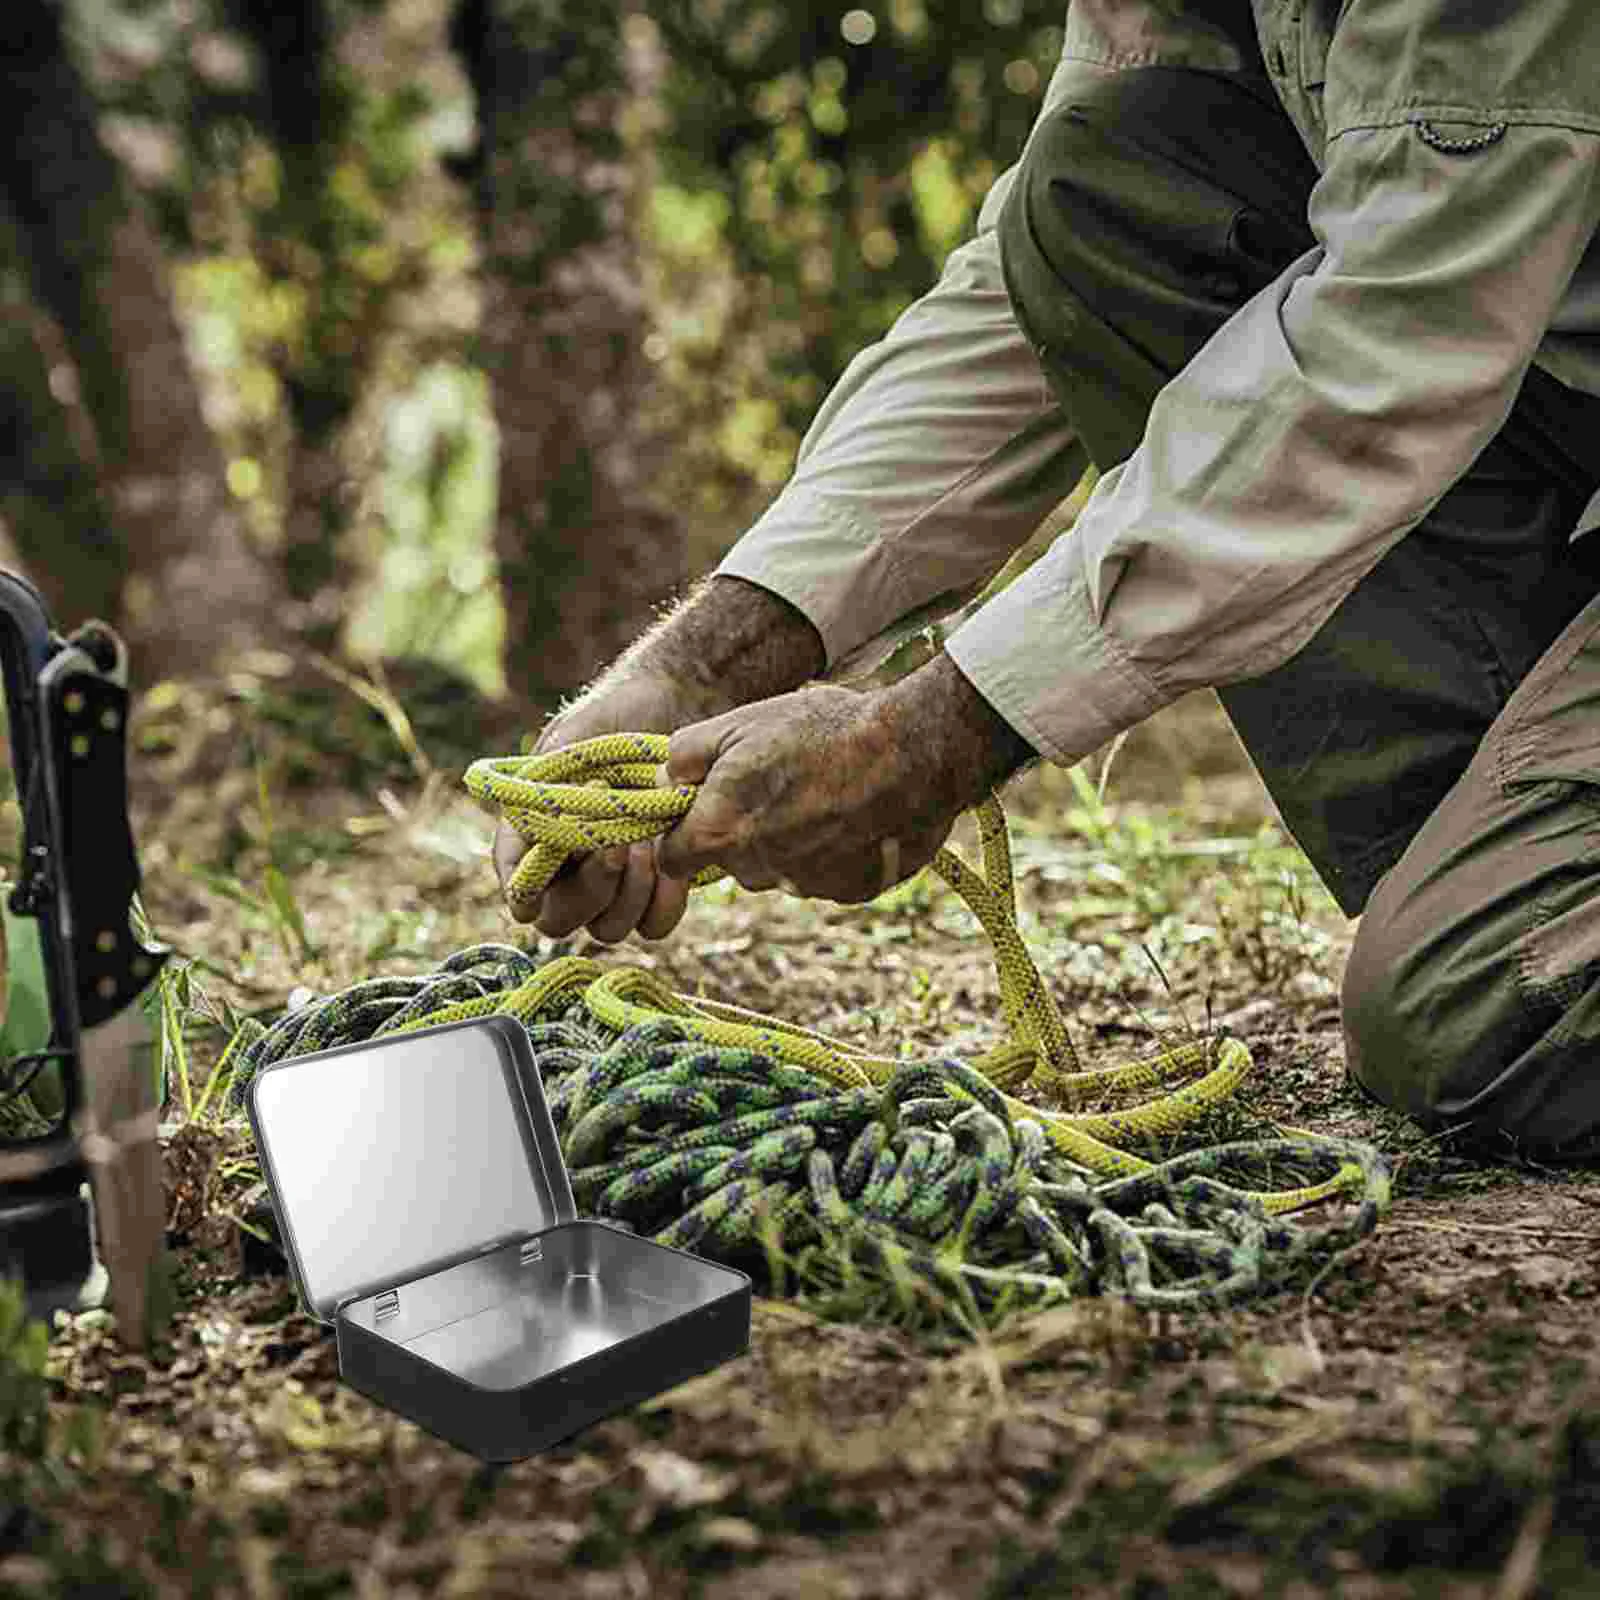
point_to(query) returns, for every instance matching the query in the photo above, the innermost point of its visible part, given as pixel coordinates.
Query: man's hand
(832, 793)
(615, 891)
(729, 643)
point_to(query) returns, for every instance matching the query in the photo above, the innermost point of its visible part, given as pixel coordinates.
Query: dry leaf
(1545, 1272)
(1288, 1366)
(681, 1482)
(733, 1533)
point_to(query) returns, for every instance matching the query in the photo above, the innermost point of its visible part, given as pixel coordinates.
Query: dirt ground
(1421, 1418)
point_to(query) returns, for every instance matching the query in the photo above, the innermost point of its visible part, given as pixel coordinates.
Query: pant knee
(1441, 1026)
(1383, 1049)
(1432, 1009)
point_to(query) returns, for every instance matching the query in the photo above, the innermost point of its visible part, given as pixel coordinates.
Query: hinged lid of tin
(401, 1157)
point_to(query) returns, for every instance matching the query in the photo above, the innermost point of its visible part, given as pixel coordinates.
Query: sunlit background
(485, 308)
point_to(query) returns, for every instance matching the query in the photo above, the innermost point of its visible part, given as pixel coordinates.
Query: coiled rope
(712, 1127)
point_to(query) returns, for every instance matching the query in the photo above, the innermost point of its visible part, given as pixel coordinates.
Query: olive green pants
(1435, 747)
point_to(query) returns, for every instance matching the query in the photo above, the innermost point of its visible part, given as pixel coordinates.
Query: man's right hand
(611, 892)
(730, 643)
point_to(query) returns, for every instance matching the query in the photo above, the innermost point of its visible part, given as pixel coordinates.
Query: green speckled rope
(565, 803)
(925, 1186)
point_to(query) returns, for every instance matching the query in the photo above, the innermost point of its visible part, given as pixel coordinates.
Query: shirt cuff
(1038, 655)
(807, 551)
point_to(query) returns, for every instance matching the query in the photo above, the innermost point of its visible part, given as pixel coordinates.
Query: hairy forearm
(725, 644)
(955, 742)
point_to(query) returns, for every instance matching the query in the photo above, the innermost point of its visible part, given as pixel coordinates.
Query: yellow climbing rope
(604, 792)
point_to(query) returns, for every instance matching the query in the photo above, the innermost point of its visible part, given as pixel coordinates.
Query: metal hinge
(387, 1305)
(532, 1250)
(35, 884)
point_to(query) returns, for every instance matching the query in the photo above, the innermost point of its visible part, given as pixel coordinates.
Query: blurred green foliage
(24, 1388)
(437, 504)
(807, 169)
(829, 157)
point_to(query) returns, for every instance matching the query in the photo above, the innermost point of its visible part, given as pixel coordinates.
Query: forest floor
(1421, 1418)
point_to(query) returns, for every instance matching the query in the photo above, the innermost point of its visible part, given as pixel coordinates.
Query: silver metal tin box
(427, 1215)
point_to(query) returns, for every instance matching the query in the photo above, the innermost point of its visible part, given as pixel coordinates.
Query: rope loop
(707, 1126)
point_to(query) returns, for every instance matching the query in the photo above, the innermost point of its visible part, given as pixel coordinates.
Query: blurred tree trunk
(584, 553)
(307, 113)
(173, 569)
(55, 516)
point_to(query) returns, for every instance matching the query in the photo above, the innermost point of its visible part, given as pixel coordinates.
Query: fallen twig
(1521, 1571)
(1492, 1227)
(1218, 1480)
(1307, 1335)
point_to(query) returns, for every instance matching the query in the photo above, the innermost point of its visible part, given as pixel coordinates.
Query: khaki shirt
(1458, 143)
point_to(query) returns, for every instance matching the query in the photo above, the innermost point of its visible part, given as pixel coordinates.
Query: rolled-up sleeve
(1326, 418)
(936, 455)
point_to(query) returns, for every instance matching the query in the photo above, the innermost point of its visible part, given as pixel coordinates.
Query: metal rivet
(72, 702)
(105, 941)
(80, 745)
(110, 720)
(106, 988)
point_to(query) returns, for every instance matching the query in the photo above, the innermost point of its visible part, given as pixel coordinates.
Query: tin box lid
(400, 1157)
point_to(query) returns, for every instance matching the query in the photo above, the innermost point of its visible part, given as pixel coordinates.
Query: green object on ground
(27, 1019)
(24, 1387)
(928, 1181)
(740, 1135)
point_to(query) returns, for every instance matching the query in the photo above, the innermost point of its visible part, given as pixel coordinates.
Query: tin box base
(516, 1349)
